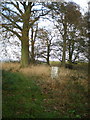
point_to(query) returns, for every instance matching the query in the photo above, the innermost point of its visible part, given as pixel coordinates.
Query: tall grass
(31, 93)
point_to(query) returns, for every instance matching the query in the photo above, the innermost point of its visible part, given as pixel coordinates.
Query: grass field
(31, 93)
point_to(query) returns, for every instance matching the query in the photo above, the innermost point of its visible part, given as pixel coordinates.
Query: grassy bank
(31, 93)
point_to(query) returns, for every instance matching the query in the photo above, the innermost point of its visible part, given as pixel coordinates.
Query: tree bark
(64, 53)
(70, 58)
(70, 53)
(25, 45)
(25, 53)
(48, 54)
(71, 50)
(25, 38)
(64, 44)
(32, 52)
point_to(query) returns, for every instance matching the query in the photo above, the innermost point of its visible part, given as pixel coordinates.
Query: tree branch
(6, 27)
(16, 6)
(5, 8)
(14, 22)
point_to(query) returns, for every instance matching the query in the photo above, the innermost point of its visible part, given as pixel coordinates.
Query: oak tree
(18, 18)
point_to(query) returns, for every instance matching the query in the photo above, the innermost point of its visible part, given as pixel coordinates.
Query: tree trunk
(32, 52)
(70, 54)
(70, 58)
(64, 45)
(48, 54)
(25, 46)
(32, 45)
(25, 38)
(71, 50)
(25, 53)
(64, 53)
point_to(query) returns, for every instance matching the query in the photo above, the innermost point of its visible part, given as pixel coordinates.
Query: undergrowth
(31, 93)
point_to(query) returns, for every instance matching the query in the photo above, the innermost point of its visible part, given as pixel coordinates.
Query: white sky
(83, 3)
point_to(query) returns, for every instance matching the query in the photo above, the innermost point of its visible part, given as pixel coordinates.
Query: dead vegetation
(44, 71)
(65, 75)
(67, 94)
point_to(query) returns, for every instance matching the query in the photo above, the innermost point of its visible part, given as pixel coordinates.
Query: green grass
(30, 97)
(55, 63)
(22, 98)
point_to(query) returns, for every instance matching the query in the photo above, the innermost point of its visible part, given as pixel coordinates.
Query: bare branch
(16, 6)
(6, 27)
(8, 9)
(13, 22)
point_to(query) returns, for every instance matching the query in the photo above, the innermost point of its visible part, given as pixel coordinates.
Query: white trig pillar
(54, 72)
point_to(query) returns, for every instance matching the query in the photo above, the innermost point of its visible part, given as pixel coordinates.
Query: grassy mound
(31, 93)
(22, 98)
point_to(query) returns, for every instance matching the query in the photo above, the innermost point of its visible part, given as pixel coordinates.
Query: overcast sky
(82, 3)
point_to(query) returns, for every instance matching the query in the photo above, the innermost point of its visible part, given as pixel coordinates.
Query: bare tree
(45, 38)
(18, 18)
(65, 14)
